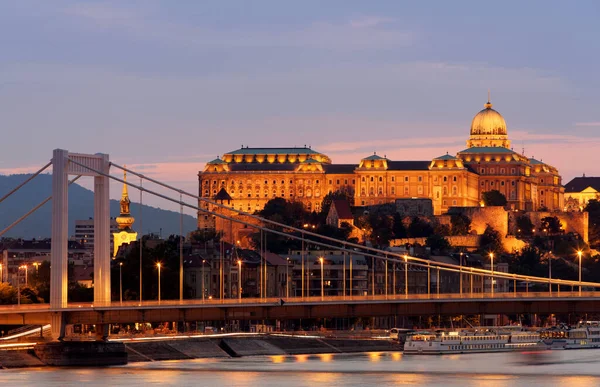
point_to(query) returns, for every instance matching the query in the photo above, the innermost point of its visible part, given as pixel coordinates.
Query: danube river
(579, 368)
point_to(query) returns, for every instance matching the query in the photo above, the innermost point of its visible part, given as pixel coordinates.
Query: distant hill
(81, 206)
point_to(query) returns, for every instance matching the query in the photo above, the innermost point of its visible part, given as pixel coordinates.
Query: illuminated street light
(121, 282)
(492, 267)
(239, 262)
(203, 262)
(579, 253)
(405, 274)
(158, 266)
(287, 278)
(322, 285)
(1, 276)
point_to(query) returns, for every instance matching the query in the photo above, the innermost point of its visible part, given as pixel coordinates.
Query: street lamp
(460, 272)
(287, 278)
(239, 262)
(492, 267)
(322, 285)
(1, 276)
(203, 262)
(121, 282)
(158, 266)
(405, 274)
(579, 253)
(26, 284)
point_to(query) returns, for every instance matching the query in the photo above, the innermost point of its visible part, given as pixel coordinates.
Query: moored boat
(585, 335)
(471, 341)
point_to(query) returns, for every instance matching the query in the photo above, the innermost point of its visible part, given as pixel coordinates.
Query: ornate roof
(488, 122)
(216, 161)
(487, 149)
(374, 157)
(447, 157)
(269, 151)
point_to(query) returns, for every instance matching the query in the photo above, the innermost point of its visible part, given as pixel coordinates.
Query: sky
(164, 86)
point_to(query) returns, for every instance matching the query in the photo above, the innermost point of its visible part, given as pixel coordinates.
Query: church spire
(124, 195)
(125, 220)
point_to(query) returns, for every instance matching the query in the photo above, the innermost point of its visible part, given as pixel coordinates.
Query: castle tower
(124, 221)
(488, 129)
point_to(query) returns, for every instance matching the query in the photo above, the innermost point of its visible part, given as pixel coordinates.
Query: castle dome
(488, 122)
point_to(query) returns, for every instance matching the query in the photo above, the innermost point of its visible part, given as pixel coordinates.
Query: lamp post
(580, 253)
(121, 282)
(1, 276)
(550, 272)
(158, 266)
(492, 275)
(322, 284)
(203, 291)
(287, 278)
(239, 262)
(27, 285)
(460, 273)
(405, 275)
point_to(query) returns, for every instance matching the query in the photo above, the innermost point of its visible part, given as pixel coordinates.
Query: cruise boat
(586, 334)
(475, 341)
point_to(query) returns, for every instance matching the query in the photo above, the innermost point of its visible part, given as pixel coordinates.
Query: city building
(84, 233)
(124, 235)
(579, 191)
(339, 212)
(253, 176)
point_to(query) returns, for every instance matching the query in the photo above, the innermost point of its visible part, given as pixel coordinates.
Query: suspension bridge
(391, 302)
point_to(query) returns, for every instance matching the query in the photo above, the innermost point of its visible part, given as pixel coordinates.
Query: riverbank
(221, 347)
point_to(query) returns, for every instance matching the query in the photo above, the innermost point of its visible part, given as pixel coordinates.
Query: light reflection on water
(564, 368)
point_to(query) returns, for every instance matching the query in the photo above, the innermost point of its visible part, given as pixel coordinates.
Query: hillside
(81, 206)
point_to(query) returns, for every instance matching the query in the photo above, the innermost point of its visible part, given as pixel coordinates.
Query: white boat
(501, 339)
(585, 335)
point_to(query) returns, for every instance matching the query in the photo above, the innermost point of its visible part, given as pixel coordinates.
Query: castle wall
(496, 217)
(577, 222)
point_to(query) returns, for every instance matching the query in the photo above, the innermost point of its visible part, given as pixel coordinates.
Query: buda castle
(247, 178)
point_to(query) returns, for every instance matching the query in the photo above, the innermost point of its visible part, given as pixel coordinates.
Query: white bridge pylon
(61, 169)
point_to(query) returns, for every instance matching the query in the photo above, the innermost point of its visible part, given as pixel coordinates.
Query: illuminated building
(253, 176)
(579, 191)
(125, 235)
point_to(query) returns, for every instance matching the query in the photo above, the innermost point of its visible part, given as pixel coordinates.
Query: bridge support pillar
(57, 325)
(102, 332)
(60, 232)
(102, 235)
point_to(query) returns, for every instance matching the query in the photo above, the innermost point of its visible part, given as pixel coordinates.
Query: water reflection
(326, 357)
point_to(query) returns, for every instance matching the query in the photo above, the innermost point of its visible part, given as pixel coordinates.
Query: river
(579, 368)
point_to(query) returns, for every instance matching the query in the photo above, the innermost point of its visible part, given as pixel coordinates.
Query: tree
(419, 228)
(524, 226)
(461, 224)
(398, 228)
(593, 208)
(490, 241)
(551, 225)
(527, 262)
(494, 198)
(437, 243)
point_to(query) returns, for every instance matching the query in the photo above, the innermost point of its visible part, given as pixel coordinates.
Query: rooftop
(487, 149)
(579, 184)
(271, 151)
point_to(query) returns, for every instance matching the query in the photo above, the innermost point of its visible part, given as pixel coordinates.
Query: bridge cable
(32, 210)
(25, 182)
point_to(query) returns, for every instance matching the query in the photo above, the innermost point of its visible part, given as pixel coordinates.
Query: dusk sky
(164, 86)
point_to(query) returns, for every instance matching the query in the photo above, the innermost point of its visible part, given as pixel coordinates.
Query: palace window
(337, 182)
(483, 171)
(512, 183)
(363, 179)
(445, 179)
(345, 181)
(492, 171)
(393, 179)
(502, 171)
(454, 191)
(444, 203)
(274, 181)
(354, 181)
(393, 191)
(330, 181)
(420, 179)
(372, 179)
(371, 191)
(316, 181)
(420, 190)
(406, 179)
(445, 191)
(362, 192)
(454, 179)
(406, 191)
(380, 191)
(266, 182)
(512, 171)
(380, 179)
(454, 202)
